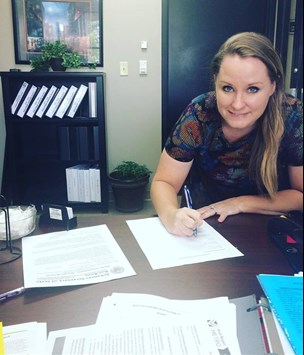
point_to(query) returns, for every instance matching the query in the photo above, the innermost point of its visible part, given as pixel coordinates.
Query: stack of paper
(25, 338)
(140, 324)
(147, 324)
(1, 340)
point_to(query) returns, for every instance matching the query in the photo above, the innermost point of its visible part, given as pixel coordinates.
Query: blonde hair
(263, 161)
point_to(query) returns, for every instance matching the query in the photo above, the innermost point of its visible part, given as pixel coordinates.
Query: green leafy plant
(72, 60)
(40, 65)
(129, 170)
(58, 49)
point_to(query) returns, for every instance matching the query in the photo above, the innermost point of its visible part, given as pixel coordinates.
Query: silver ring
(212, 208)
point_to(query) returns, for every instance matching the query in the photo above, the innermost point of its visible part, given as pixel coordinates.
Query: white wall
(133, 102)
(6, 61)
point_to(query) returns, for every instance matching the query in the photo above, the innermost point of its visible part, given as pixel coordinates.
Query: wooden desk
(65, 307)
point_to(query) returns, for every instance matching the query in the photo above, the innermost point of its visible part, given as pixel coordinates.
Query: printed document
(75, 257)
(131, 324)
(1, 340)
(164, 250)
(25, 339)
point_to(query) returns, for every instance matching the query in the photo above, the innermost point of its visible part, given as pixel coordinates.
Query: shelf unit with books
(42, 141)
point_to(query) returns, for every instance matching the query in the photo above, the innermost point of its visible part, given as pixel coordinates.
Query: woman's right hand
(183, 222)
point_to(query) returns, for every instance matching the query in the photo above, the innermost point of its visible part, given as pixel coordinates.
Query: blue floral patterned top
(220, 168)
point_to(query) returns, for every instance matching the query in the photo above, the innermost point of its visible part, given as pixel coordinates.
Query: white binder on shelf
(46, 101)
(66, 102)
(57, 100)
(92, 100)
(39, 97)
(25, 104)
(77, 100)
(19, 96)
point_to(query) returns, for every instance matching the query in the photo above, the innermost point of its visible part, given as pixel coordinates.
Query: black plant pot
(56, 64)
(129, 194)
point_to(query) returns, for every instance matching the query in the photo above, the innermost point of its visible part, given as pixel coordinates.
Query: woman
(240, 148)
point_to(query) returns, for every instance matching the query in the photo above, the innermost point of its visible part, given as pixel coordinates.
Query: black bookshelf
(39, 149)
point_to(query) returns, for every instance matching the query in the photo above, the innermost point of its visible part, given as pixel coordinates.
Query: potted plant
(40, 65)
(59, 57)
(129, 180)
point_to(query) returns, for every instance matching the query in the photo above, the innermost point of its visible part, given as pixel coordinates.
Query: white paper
(130, 324)
(129, 310)
(164, 250)
(26, 338)
(165, 339)
(76, 257)
(288, 350)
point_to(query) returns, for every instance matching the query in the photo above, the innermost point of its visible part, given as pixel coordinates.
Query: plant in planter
(40, 65)
(59, 57)
(129, 181)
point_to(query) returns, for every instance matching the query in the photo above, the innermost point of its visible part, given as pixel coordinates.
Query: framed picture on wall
(78, 23)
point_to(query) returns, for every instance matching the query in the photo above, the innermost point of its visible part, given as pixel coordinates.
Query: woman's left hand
(223, 209)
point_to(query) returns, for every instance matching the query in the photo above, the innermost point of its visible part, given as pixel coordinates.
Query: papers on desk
(25, 338)
(1, 339)
(91, 255)
(76, 257)
(275, 336)
(129, 324)
(145, 324)
(164, 250)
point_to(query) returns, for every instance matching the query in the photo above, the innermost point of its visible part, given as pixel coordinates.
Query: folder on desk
(257, 328)
(285, 298)
(270, 327)
(249, 329)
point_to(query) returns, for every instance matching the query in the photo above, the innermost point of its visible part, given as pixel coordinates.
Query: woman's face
(243, 89)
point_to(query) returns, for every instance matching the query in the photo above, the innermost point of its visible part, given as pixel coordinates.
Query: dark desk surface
(65, 307)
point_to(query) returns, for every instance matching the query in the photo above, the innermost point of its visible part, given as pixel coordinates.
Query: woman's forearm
(164, 198)
(283, 201)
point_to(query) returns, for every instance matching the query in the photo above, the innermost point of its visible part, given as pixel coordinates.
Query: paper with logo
(76, 257)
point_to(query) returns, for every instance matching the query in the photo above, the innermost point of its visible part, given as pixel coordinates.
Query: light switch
(143, 67)
(124, 68)
(144, 44)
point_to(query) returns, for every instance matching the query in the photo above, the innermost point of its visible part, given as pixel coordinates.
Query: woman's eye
(227, 88)
(253, 89)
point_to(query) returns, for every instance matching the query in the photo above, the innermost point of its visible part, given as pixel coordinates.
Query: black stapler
(287, 233)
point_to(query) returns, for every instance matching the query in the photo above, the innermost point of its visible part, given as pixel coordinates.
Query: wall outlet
(124, 68)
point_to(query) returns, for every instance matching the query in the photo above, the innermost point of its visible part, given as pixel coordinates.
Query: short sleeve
(190, 131)
(180, 144)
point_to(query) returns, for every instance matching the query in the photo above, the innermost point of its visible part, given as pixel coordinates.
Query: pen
(189, 204)
(13, 293)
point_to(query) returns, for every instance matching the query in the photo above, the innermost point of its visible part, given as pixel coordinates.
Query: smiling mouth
(237, 114)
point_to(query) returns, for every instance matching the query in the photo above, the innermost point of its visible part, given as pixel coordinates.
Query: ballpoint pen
(189, 204)
(13, 293)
